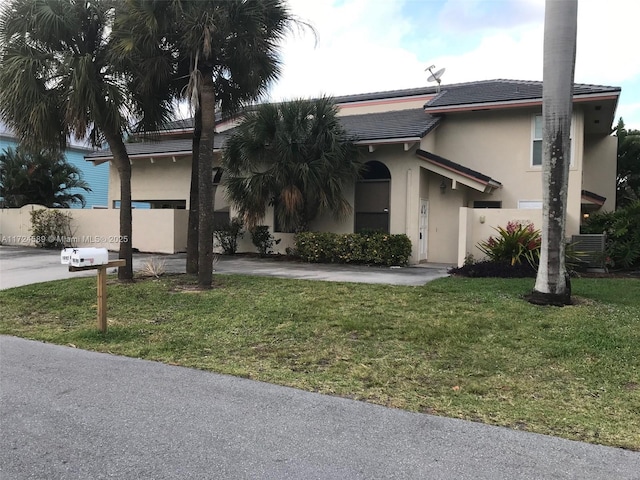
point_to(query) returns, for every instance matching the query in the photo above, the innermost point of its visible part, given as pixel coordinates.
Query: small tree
(628, 175)
(51, 228)
(263, 240)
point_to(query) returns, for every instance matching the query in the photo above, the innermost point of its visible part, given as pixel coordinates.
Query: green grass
(464, 348)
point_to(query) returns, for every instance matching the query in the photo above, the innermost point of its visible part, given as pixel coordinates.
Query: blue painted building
(97, 176)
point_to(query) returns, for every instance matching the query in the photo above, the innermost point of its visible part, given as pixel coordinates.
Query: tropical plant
(513, 244)
(41, 177)
(622, 229)
(227, 236)
(60, 75)
(628, 177)
(263, 240)
(294, 156)
(560, 32)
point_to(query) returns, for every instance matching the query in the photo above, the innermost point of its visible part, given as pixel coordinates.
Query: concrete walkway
(24, 266)
(72, 414)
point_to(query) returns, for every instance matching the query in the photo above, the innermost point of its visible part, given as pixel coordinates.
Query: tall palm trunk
(205, 180)
(122, 164)
(552, 285)
(194, 200)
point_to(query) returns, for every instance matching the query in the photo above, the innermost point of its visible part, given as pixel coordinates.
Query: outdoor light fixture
(443, 187)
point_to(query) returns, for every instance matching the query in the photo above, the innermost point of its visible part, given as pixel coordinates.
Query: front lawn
(464, 348)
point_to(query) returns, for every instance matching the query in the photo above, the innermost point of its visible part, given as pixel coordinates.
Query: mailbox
(65, 256)
(89, 257)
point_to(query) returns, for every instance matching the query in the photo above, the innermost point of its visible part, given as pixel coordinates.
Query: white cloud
(370, 45)
(357, 50)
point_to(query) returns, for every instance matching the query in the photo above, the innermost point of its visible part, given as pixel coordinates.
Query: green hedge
(374, 248)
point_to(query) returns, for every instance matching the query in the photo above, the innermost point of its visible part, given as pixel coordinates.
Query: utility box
(65, 256)
(89, 257)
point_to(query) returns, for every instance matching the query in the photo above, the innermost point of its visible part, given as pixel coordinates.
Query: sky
(364, 46)
(375, 45)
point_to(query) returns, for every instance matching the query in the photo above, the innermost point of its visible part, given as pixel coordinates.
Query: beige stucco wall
(600, 168)
(378, 106)
(157, 231)
(499, 144)
(162, 180)
(15, 225)
(326, 222)
(476, 225)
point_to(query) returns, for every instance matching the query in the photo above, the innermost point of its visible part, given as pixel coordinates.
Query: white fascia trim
(99, 160)
(183, 153)
(457, 177)
(388, 141)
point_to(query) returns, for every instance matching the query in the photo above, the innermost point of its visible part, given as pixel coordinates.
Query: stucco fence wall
(165, 231)
(477, 224)
(157, 231)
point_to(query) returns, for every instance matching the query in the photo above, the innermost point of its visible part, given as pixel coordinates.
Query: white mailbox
(65, 256)
(89, 257)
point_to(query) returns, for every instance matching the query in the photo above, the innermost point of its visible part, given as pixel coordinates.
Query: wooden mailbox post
(102, 288)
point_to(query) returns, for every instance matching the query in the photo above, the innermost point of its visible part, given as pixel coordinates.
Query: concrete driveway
(24, 266)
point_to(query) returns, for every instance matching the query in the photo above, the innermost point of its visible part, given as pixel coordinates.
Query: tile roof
(400, 124)
(490, 91)
(389, 125)
(165, 147)
(593, 197)
(456, 167)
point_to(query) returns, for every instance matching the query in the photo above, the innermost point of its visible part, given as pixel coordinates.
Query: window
(536, 159)
(487, 204)
(530, 204)
(536, 149)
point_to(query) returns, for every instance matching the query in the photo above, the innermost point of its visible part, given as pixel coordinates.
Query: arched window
(373, 198)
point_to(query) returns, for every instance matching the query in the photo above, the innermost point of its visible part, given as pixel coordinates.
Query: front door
(423, 230)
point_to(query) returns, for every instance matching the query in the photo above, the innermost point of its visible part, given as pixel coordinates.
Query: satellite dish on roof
(435, 76)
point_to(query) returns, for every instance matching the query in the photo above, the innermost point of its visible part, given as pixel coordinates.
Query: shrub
(51, 228)
(372, 248)
(227, 235)
(263, 240)
(515, 243)
(490, 268)
(622, 228)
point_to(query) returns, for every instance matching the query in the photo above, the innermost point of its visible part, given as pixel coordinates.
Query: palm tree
(552, 283)
(43, 178)
(226, 54)
(232, 50)
(294, 156)
(61, 76)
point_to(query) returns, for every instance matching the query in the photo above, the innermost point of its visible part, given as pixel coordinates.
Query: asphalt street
(72, 414)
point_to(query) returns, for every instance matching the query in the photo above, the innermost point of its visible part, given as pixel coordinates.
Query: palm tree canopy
(59, 75)
(294, 156)
(42, 177)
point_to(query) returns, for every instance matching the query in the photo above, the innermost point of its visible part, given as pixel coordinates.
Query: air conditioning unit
(590, 247)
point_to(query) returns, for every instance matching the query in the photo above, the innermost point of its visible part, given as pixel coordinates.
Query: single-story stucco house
(431, 155)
